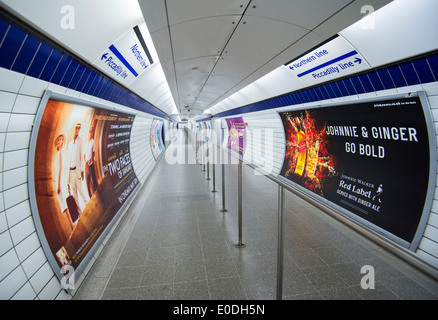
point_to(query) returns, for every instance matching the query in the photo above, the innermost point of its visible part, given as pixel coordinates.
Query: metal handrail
(383, 242)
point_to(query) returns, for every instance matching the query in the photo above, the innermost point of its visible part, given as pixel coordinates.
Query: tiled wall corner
(25, 272)
(28, 67)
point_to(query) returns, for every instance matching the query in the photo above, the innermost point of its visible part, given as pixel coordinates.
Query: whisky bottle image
(302, 148)
(312, 159)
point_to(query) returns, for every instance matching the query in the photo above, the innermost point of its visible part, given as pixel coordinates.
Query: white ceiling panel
(195, 66)
(208, 95)
(305, 14)
(347, 16)
(163, 47)
(204, 100)
(201, 37)
(220, 83)
(154, 12)
(185, 10)
(260, 38)
(234, 68)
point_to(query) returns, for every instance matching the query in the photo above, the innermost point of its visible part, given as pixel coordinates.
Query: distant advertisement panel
(157, 145)
(82, 176)
(236, 135)
(372, 159)
(205, 129)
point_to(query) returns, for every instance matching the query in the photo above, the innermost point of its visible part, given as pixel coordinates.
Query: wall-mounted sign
(81, 176)
(126, 59)
(372, 159)
(236, 135)
(332, 60)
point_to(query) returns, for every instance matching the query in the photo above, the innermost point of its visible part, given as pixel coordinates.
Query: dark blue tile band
(26, 55)
(10, 47)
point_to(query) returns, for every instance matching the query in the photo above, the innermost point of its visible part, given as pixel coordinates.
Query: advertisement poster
(157, 145)
(236, 135)
(371, 159)
(82, 174)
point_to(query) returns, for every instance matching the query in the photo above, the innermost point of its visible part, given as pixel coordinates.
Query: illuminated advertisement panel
(204, 129)
(81, 175)
(157, 145)
(236, 135)
(371, 159)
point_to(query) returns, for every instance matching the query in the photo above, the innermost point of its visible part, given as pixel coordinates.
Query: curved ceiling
(211, 49)
(379, 40)
(206, 50)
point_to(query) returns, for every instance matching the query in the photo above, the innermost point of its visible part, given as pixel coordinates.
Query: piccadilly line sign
(334, 59)
(125, 59)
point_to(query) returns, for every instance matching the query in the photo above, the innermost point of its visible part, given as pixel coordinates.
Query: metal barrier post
(280, 250)
(239, 187)
(214, 170)
(208, 160)
(196, 145)
(203, 156)
(200, 151)
(223, 182)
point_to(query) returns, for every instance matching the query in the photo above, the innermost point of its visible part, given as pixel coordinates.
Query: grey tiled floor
(174, 243)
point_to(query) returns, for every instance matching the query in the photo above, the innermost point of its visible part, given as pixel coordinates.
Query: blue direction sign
(124, 60)
(334, 59)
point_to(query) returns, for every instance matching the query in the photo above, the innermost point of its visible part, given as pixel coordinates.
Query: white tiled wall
(143, 160)
(24, 270)
(428, 248)
(265, 141)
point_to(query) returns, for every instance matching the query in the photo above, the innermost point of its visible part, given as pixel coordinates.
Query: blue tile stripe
(418, 70)
(24, 51)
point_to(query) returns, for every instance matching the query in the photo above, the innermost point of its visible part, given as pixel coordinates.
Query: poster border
(47, 95)
(164, 146)
(428, 202)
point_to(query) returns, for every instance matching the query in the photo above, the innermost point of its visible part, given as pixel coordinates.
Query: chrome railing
(383, 242)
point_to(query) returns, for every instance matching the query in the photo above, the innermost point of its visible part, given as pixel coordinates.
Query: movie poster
(82, 174)
(157, 145)
(236, 135)
(371, 159)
